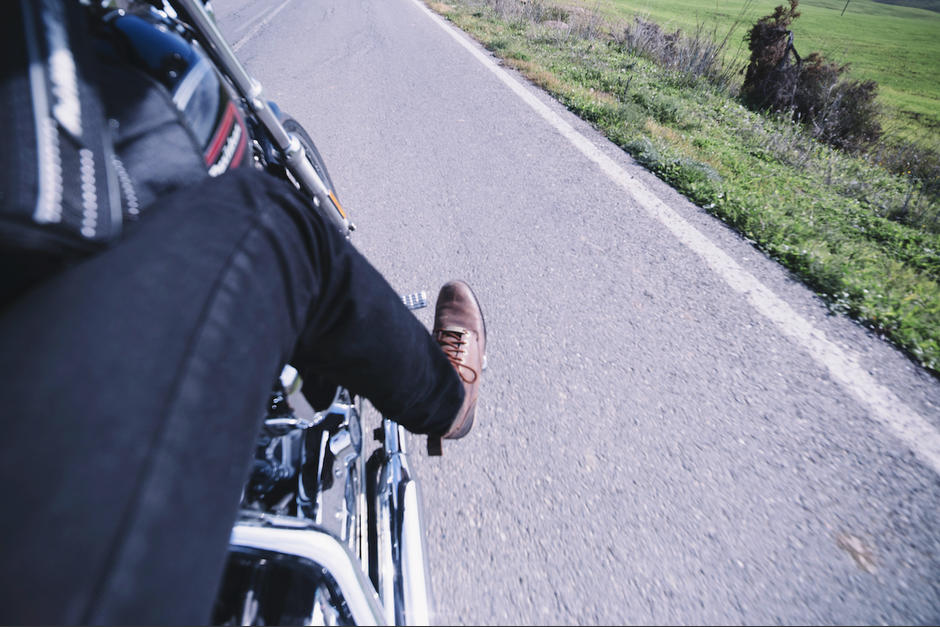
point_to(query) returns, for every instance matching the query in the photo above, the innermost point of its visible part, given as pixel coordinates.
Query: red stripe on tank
(221, 134)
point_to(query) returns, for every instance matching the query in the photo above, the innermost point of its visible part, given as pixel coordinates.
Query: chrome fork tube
(250, 90)
(404, 585)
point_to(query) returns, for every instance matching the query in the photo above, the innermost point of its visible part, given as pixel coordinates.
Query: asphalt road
(656, 441)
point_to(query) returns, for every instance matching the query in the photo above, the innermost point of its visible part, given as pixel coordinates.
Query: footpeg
(415, 300)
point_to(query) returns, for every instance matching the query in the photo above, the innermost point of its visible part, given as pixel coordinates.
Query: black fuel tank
(161, 46)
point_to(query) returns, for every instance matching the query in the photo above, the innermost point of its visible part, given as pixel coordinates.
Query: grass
(896, 46)
(823, 214)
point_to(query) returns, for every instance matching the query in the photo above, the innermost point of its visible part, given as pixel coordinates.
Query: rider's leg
(135, 382)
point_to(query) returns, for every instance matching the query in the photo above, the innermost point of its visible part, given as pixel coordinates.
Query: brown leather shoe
(461, 332)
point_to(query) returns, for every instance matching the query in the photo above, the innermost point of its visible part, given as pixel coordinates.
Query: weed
(691, 57)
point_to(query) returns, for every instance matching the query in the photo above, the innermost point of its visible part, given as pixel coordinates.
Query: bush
(770, 81)
(842, 113)
(838, 111)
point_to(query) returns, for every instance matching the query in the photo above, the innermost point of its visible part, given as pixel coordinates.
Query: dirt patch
(440, 7)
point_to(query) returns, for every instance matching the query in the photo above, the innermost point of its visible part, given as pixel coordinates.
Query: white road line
(906, 424)
(254, 31)
(248, 23)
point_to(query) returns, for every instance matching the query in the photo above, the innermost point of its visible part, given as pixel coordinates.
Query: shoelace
(453, 343)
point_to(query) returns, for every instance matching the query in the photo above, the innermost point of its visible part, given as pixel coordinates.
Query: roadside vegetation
(895, 44)
(857, 220)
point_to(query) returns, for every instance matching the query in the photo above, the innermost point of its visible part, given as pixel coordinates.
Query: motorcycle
(327, 534)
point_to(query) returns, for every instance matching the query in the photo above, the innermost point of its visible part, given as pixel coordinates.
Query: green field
(897, 46)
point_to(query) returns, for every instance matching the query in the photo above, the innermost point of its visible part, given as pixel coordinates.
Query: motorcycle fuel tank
(161, 47)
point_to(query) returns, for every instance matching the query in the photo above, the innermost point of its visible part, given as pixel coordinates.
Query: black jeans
(134, 384)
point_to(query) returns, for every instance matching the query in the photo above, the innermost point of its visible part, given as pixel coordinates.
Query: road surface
(671, 429)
